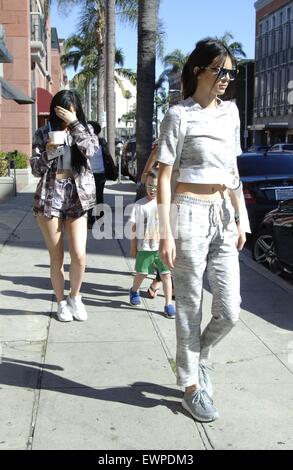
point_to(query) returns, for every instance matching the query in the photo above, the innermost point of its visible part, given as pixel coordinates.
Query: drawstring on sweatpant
(216, 219)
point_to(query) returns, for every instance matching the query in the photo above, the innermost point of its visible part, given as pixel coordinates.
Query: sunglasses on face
(221, 72)
(152, 187)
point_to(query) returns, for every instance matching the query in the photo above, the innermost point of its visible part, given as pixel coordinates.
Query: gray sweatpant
(206, 241)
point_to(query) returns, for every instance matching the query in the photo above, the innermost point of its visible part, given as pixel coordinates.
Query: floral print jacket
(88, 145)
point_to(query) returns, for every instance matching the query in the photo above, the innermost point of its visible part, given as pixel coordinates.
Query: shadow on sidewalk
(18, 373)
(264, 306)
(94, 294)
(88, 269)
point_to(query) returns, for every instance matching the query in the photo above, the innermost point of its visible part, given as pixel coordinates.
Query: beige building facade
(273, 103)
(35, 70)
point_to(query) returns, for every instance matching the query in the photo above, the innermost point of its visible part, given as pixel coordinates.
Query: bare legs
(76, 230)
(53, 236)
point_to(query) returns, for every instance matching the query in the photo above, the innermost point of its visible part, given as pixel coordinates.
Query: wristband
(73, 124)
(237, 219)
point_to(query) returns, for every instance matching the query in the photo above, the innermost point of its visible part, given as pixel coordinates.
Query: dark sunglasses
(153, 187)
(221, 72)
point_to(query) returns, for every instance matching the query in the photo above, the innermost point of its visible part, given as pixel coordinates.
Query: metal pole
(119, 167)
(90, 100)
(245, 122)
(14, 177)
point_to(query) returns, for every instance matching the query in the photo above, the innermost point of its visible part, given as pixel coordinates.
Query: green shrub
(21, 159)
(3, 164)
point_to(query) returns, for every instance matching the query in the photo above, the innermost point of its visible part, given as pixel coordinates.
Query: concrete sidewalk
(109, 383)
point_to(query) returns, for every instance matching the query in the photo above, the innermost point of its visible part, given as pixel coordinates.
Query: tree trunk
(110, 67)
(100, 86)
(101, 66)
(146, 79)
(89, 100)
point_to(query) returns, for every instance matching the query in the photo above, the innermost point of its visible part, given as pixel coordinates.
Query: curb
(245, 258)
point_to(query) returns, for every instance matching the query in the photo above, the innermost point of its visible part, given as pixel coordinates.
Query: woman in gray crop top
(208, 232)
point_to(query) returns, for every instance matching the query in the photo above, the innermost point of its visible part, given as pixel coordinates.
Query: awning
(277, 125)
(256, 127)
(10, 92)
(44, 99)
(5, 55)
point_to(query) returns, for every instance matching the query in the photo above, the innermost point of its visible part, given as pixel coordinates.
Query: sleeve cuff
(73, 124)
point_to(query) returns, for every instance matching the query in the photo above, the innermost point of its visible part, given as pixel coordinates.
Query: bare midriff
(61, 175)
(202, 191)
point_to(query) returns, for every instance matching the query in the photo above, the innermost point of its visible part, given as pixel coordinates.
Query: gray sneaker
(204, 379)
(200, 406)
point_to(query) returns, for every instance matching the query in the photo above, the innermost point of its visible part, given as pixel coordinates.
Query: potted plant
(23, 170)
(6, 182)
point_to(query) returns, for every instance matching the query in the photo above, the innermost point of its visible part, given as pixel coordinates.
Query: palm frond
(119, 57)
(128, 74)
(71, 59)
(127, 11)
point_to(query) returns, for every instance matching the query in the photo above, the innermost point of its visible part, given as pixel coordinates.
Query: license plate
(282, 194)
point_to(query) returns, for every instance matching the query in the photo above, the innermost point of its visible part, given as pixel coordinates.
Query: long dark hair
(96, 126)
(203, 55)
(66, 99)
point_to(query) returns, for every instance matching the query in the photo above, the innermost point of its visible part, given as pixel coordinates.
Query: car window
(258, 164)
(287, 206)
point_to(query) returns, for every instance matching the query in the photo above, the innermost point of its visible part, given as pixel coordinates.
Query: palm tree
(235, 47)
(174, 62)
(110, 64)
(146, 72)
(93, 23)
(161, 99)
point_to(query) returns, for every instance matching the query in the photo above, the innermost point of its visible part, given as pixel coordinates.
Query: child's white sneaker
(78, 309)
(64, 312)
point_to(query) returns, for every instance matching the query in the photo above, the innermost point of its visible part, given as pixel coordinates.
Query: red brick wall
(270, 8)
(15, 119)
(56, 71)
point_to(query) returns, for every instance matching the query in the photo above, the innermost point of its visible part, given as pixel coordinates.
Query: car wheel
(264, 251)
(124, 171)
(132, 169)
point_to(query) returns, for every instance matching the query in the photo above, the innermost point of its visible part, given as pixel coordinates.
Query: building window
(260, 28)
(273, 41)
(289, 14)
(281, 39)
(288, 36)
(260, 48)
(287, 79)
(266, 51)
(274, 21)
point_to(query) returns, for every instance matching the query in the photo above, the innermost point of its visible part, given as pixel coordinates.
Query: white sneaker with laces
(78, 309)
(64, 312)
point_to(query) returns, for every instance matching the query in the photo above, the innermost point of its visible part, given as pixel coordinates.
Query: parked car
(259, 148)
(267, 179)
(128, 159)
(273, 243)
(281, 148)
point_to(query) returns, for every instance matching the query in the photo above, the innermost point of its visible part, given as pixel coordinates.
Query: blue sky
(185, 22)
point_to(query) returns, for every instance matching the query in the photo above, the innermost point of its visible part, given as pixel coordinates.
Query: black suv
(128, 159)
(273, 243)
(267, 179)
